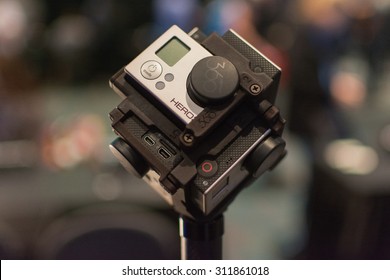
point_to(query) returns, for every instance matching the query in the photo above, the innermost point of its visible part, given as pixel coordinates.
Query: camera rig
(198, 123)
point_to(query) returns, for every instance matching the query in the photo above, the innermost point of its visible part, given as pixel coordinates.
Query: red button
(208, 168)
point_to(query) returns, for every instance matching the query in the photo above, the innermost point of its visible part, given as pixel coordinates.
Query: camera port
(164, 153)
(149, 140)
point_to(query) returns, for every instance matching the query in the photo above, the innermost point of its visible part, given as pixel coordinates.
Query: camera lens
(131, 160)
(212, 81)
(265, 156)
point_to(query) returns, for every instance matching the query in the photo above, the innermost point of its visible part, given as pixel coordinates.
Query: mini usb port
(149, 140)
(164, 153)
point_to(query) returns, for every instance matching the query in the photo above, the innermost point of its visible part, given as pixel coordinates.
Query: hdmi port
(164, 153)
(149, 140)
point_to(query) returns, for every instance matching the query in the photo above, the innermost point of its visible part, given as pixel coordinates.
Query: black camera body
(198, 121)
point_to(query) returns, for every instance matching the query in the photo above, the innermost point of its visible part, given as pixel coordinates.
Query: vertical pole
(201, 240)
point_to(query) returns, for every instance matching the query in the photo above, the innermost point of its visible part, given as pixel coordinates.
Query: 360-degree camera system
(198, 121)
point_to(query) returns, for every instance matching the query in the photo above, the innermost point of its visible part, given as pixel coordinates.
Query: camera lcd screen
(172, 51)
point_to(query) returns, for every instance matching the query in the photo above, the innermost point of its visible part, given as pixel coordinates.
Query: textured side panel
(259, 63)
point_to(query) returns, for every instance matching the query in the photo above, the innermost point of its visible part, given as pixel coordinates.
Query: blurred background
(64, 196)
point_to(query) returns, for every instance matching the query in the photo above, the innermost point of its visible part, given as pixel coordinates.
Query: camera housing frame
(199, 165)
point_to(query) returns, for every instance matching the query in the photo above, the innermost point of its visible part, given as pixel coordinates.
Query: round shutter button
(151, 70)
(208, 168)
(212, 81)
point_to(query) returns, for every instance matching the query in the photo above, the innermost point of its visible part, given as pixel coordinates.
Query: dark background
(64, 196)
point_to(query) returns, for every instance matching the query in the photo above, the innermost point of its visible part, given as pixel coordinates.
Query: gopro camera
(198, 121)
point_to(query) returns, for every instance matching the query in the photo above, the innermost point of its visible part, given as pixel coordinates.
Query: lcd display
(172, 51)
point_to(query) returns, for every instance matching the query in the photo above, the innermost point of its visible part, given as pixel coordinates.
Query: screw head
(188, 138)
(255, 89)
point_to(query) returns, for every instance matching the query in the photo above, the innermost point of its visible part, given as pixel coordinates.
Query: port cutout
(149, 140)
(164, 153)
(168, 146)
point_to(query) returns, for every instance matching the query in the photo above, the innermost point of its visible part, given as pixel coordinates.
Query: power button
(151, 70)
(208, 168)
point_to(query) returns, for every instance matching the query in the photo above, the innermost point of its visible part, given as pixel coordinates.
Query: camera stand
(201, 240)
(201, 236)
